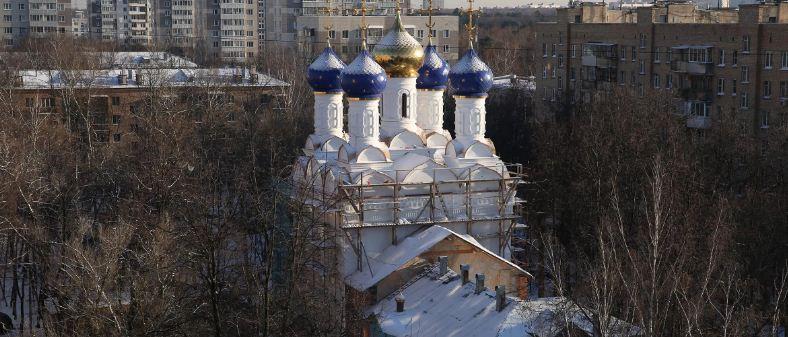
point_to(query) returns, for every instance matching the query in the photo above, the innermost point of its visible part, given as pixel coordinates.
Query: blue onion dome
(363, 78)
(471, 76)
(324, 73)
(434, 73)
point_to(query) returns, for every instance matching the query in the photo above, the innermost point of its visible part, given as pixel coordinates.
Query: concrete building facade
(718, 63)
(345, 35)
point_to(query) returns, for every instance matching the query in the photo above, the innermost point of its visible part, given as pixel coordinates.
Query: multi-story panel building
(717, 63)
(345, 35)
(280, 16)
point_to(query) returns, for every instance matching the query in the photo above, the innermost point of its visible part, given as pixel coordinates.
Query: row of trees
(679, 232)
(168, 235)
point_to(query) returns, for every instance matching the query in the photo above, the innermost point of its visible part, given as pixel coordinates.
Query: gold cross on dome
(470, 27)
(429, 24)
(363, 27)
(329, 10)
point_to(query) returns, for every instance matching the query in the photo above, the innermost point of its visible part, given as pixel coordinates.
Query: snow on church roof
(396, 256)
(440, 305)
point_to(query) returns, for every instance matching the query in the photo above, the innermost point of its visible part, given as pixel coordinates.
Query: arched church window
(404, 105)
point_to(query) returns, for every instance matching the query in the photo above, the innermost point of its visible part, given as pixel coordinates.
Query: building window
(784, 61)
(115, 100)
(404, 105)
(446, 34)
(544, 71)
(560, 60)
(573, 51)
(553, 53)
(634, 54)
(745, 74)
(720, 86)
(116, 137)
(623, 53)
(764, 119)
(642, 40)
(642, 67)
(745, 101)
(446, 48)
(669, 81)
(735, 57)
(657, 51)
(572, 74)
(29, 102)
(656, 81)
(346, 33)
(767, 60)
(783, 89)
(332, 34)
(544, 49)
(722, 58)
(115, 119)
(622, 77)
(767, 89)
(733, 87)
(670, 54)
(420, 33)
(745, 43)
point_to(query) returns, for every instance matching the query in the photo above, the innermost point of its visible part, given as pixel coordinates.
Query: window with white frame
(544, 72)
(722, 58)
(764, 119)
(767, 89)
(735, 58)
(698, 108)
(783, 89)
(720, 86)
(745, 43)
(767, 60)
(656, 81)
(572, 51)
(733, 87)
(784, 60)
(745, 74)
(669, 81)
(642, 67)
(446, 33)
(745, 100)
(657, 51)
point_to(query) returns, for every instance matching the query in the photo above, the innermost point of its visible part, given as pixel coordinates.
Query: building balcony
(599, 61)
(692, 68)
(693, 94)
(699, 122)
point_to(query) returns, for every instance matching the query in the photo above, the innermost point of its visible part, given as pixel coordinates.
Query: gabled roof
(440, 305)
(396, 256)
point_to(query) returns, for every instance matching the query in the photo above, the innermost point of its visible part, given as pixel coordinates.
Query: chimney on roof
(464, 271)
(139, 78)
(479, 284)
(443, 262)
(500, 297)
(400, 299)
(123, 79)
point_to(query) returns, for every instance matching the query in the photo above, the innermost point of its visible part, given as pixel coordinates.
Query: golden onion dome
(399, 53)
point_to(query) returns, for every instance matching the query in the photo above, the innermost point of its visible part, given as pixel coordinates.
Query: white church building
(400, 190)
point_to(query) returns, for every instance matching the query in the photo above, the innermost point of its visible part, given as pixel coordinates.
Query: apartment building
(281, 17)
(21, 18)
(345, 35)
(717, 63)
(123, 82)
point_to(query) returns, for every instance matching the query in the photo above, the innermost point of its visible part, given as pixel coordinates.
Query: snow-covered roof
(396, 256)
(109, 78)
(144, 59)
(440, 305)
